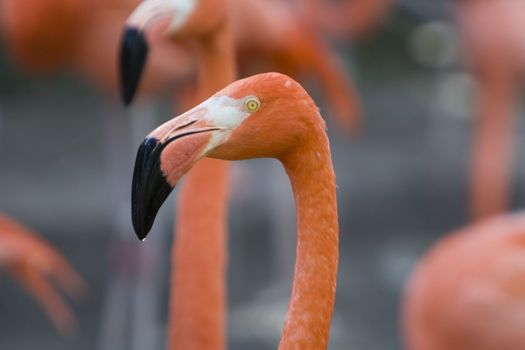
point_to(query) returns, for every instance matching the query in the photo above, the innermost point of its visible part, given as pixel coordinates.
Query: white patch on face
(226, 113)
(184, 9)
(149, 10)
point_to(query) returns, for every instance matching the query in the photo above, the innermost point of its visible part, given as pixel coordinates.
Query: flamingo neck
(198, 290)
(198, 299)
(217, 63)
(307, 323)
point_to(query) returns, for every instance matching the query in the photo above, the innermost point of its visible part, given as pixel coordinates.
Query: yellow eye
(252, 104)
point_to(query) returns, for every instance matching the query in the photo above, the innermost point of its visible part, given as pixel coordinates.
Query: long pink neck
(217, 64)
(307, 324)
(198, 297)
(198, 292)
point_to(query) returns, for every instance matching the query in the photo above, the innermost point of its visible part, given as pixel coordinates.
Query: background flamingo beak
(133, 57)
(149, 188)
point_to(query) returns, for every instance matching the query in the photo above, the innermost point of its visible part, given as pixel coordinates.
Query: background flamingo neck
(307, 324)
(198, 299)
(198, 288)
(217, 63)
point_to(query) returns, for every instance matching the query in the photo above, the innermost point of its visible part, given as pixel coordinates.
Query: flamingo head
(266, 115)
(148, 20)
(155, 20)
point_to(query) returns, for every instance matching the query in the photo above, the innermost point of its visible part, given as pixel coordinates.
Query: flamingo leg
(50, 300)
(35, 264)
(492, 152)
(63, 274)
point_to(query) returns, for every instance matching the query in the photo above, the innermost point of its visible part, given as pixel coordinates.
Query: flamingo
(36, 264)
(468, 292)
(266, 115)
(199, 252)
(80, 37)
(496, 59)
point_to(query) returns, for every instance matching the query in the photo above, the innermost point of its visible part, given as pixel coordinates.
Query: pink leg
(491, 166)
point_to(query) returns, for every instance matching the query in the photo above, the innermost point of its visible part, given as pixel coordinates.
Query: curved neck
(307, 324)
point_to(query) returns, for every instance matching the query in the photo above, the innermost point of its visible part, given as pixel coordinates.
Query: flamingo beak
(133, 57)
(162, 159)
(148, 21)
(149, 189)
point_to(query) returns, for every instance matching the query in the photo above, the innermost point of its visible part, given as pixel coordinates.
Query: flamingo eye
(251, 104)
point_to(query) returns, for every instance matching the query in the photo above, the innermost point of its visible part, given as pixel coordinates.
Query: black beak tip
(143, 217)
(149, 189)
(133, 57)
(141, 231)
(127, 97)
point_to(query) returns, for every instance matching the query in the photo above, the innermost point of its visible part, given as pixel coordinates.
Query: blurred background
(67, 151)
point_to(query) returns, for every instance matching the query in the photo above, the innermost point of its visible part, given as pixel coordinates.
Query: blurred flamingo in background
(468, 292)
(235, 124)
(271, 35)
(80, 36)
(36, 265)
(496, 57)
(198, 282)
